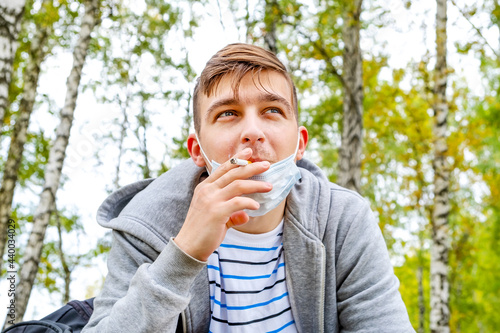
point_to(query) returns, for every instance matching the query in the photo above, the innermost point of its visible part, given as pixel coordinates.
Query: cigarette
(239, 161)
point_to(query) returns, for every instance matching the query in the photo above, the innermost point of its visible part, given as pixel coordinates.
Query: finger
(246, 186)
(236, 204)
(237, 218)
(227, 166)
(242, 172)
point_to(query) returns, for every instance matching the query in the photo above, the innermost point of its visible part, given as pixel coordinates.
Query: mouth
(259, 155)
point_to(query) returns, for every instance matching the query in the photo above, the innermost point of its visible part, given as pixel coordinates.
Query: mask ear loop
(201, 149)
(297, 147)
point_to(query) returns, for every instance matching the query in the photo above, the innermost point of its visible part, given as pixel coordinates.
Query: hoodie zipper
(322, 290)
(184, 323)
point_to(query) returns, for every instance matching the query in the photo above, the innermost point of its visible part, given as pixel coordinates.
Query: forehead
(250, 88)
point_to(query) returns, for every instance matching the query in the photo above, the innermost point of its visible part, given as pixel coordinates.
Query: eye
(226, 114)
(273, 110)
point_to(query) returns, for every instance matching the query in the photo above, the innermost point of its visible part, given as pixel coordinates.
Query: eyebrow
(219, 103)
(262, 98)
(270, 97)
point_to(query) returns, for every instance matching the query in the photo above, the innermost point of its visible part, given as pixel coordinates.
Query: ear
(304, 137)
(195, 151)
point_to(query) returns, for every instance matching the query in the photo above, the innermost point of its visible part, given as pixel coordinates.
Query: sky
(85, 183)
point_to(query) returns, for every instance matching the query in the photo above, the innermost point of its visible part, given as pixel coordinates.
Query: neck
(265, 223)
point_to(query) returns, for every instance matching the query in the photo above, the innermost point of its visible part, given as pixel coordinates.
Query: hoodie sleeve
(367, 289)
(144, 291)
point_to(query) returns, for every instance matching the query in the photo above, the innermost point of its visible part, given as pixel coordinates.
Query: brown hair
(237, 60)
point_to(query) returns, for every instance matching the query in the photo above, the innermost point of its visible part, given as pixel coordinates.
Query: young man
(262, 242)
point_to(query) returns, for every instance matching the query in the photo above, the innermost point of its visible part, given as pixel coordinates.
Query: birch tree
(37, 53)
(11, 13)
(56, 159)
(352, 132)
(440, 312)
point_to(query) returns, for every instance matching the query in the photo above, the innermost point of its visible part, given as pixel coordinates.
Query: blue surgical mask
(282, 175)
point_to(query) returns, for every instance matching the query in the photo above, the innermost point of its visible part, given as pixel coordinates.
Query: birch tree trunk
(38, 51)
(352, 133)
(55, 163)
(11, 13)
(440, 312)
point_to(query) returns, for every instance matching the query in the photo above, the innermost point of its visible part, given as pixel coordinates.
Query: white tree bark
(56, 159)
(440, 310)
(37, 53)
(11, 13)
(352, 75)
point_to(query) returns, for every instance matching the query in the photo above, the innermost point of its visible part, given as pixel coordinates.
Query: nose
(252, 131)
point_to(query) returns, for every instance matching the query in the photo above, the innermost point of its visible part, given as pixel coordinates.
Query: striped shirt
(248, 290)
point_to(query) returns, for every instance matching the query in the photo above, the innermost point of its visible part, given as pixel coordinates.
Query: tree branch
(478, 31)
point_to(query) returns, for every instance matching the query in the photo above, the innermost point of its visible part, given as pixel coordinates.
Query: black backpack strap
(84, 308)
(71, 318)
(39, 326)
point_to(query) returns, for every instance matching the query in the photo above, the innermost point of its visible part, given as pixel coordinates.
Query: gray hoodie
(339, 276)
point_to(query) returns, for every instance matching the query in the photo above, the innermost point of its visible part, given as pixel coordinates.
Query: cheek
(223, 148)
(286, 145)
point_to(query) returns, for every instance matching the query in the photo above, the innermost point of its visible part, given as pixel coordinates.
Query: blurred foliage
(141, 76)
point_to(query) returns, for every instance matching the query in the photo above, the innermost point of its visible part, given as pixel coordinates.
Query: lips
(259, 154)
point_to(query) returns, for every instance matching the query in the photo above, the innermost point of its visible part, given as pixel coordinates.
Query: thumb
(237, 218)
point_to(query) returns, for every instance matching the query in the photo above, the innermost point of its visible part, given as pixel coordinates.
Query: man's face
(260, 117)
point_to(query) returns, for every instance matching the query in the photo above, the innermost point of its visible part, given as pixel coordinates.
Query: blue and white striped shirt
(248, 290)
